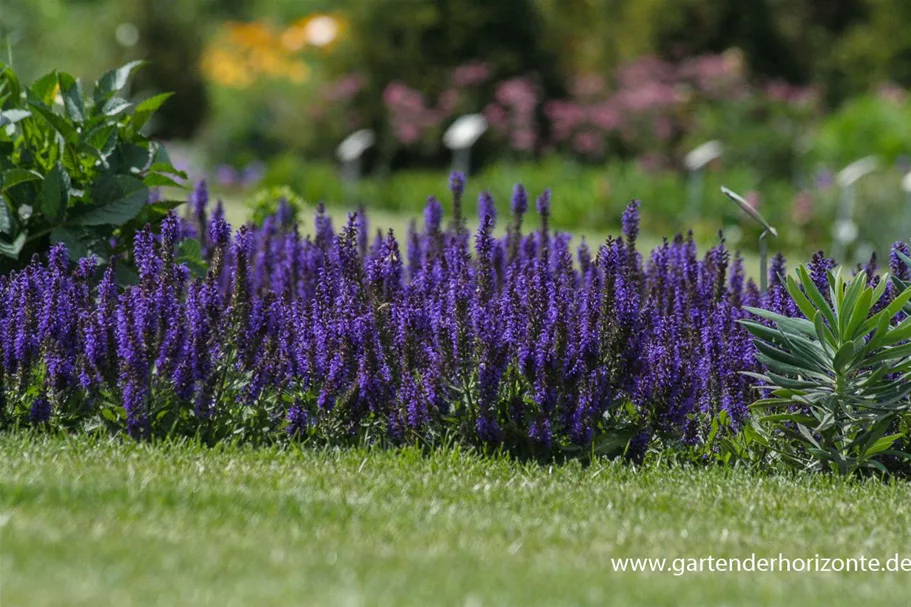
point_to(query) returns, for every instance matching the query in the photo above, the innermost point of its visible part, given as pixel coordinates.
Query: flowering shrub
(521, 344)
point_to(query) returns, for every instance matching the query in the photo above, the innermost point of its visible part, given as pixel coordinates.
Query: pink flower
(588, 86)
(753, 199)
(345, 88)
(524, 139)
(519, 93)
(606, 115)
(663, 128)
(448, 101)
(471, 74)
(588, 143)
(802, 208)
(497, 117)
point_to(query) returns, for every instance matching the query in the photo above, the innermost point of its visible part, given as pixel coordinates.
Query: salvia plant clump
(513, 340)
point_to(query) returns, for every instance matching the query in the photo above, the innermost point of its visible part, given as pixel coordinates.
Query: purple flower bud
(40, 411)
(486, 207)
(457, 184)
(519, 199)
(630, 220)
(543, 203)
(433, 215)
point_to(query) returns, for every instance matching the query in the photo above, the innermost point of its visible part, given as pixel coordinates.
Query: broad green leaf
(6, 217)
(147, 108)
(13, 177)
(189, 252)
(103, 138)
(114, 80)
(76, 248)
(60, 124)
(158, 179)
(117, 199)
(115, 106)
(12, 249)
(71, 91)
(44, 89)
(56, 193)
(13, 116)
(133, 159)
(11, 83)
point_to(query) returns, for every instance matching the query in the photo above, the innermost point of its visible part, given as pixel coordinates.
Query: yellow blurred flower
(266, 60)
(244, 52)
(254, 34)
(226, 68)
(294, 38)
(297, 72)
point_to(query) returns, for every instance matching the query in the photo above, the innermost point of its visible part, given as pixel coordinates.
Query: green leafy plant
(839, 379)
(265, 202)
(76, 168)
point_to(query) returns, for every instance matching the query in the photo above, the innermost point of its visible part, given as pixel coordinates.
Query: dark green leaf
(56, 193)
(71, 91)
(114, 80)
(74, 245)
(115, 106)
(147, 108)
(12, 177)
(117, 199)
(13, 116)
(12, 249)
(132, 159)
(44, 89)
(60, 124)
(6, 217)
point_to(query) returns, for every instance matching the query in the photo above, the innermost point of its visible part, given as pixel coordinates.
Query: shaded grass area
(98, 522)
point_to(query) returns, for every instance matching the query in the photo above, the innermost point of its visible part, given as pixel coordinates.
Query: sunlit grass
(99, 522)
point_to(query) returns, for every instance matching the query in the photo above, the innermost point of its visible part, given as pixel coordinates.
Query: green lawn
(90, 522)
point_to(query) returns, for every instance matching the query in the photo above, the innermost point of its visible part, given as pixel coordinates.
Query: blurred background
(601, 100)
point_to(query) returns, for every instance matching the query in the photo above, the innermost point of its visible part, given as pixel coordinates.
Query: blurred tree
(874, 50)
(171, 38)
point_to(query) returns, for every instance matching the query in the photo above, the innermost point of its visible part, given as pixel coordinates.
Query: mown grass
(99, 522)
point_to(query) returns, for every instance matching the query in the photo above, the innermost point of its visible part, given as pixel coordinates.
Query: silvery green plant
(838, 379)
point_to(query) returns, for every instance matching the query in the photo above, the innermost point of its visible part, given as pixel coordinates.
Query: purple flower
(40, 411)
(631, 221)
(519, 200)
(433, 215)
